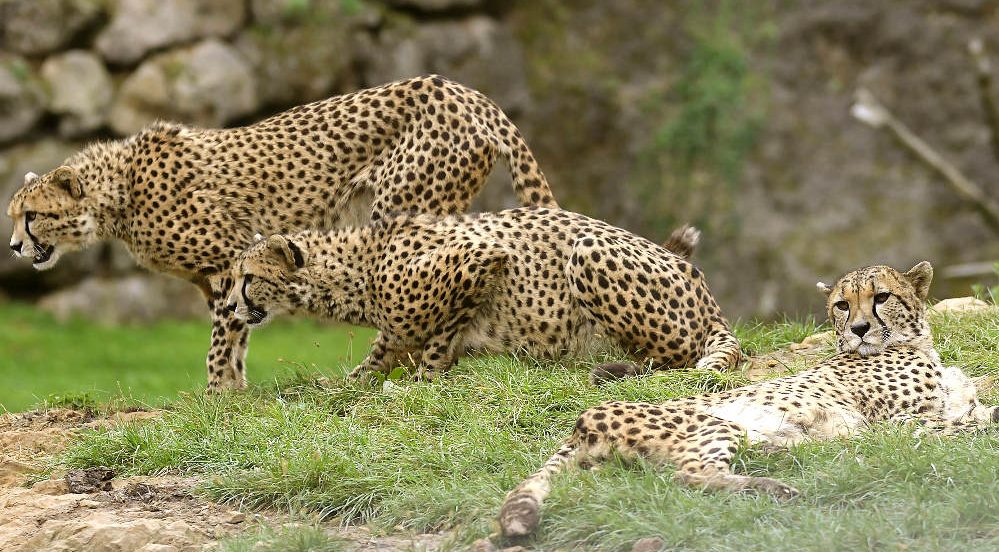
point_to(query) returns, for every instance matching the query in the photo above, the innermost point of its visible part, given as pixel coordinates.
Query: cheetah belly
(763, 423)
(499, 328)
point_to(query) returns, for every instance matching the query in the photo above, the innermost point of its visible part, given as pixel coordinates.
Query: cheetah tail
(721, 349)
(683, 241)
(521, 510)
(529, 183)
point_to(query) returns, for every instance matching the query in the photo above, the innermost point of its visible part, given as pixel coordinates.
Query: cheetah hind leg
(475, 273)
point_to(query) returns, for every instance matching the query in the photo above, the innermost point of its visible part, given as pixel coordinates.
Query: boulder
(34, 27)
(435, 5)
(21, 97)
(140, 26)
(131, 299)
(478, 51)
(300, 60)
(105, 532)
(209, 84)
(79, 91)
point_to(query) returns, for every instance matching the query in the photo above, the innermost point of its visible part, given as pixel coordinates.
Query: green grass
(78, 362)
(286, 539)
(442, 456)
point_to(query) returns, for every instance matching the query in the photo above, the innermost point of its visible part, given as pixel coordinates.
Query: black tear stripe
(27, 230)
(874, 309)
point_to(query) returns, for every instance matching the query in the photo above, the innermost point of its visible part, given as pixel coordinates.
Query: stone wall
(730, 115)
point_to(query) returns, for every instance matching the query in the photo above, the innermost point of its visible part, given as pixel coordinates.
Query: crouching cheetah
(536, 280)
(886, 370)
(186, 201)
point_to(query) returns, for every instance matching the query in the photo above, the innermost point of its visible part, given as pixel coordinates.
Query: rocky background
(648, 113)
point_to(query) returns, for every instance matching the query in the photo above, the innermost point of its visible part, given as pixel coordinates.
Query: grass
(285, 539)
(442, 456)
(80, 363)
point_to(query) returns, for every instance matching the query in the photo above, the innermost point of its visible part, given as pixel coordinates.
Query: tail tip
(610, 371)
(519, 516)
(683, 241)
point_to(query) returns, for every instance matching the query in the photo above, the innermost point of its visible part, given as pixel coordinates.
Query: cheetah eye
(881, 297)
(29, 216)
(842, 305)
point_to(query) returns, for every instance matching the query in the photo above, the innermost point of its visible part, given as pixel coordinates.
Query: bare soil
(94, 510)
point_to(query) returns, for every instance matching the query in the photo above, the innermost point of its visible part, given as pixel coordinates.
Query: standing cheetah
(537, 280)
(186, 201)
(886, 370)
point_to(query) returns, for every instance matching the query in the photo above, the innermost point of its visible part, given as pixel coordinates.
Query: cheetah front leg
(705, 461)
(226, 356)
(385, 354)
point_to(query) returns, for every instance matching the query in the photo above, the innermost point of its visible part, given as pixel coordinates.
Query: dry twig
(870, 111)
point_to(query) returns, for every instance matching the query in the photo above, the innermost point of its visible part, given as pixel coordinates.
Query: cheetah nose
(861, 328)
(231, 308)
(15, 247)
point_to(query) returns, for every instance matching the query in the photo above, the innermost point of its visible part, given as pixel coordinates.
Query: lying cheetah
(886, 370)
(536, 280)
(186, 201)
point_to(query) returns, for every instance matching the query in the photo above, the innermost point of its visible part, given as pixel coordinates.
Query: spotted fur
(536, 280)
(186, 201)
(896, 379)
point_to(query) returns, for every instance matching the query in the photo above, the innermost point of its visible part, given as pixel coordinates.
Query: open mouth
(42, 253)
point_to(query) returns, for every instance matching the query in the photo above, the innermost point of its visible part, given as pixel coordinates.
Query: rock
(648, 544)
(209, 84)
(814, 343)
(299, 62)
(79, 89)
(139, 26)
(90, 480)
(477, 51)
(960, 305)
(51, 486)
(153, 547)
(483, 545)
(236, 517)
(20, 97)
(435, 5)
(34, 27)
(103, 531)
(132, 299)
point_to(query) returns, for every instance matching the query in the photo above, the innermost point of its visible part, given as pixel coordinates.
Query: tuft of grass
(294, 538)
(442, 455)
(758, 338)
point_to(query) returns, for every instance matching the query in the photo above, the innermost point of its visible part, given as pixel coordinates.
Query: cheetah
(186, 201)
(886, 369)
(534, 280)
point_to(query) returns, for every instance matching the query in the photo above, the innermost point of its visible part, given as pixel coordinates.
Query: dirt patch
(96, 510)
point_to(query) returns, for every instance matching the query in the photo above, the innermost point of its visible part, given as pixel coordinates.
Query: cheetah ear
(920, 277)
(288, 250)
(65, 178)
(29, 177)
(824, 288)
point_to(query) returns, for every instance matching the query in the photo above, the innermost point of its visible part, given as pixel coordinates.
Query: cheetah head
(52, 215)
(266, 280)
(878, 307)
(282, 274)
